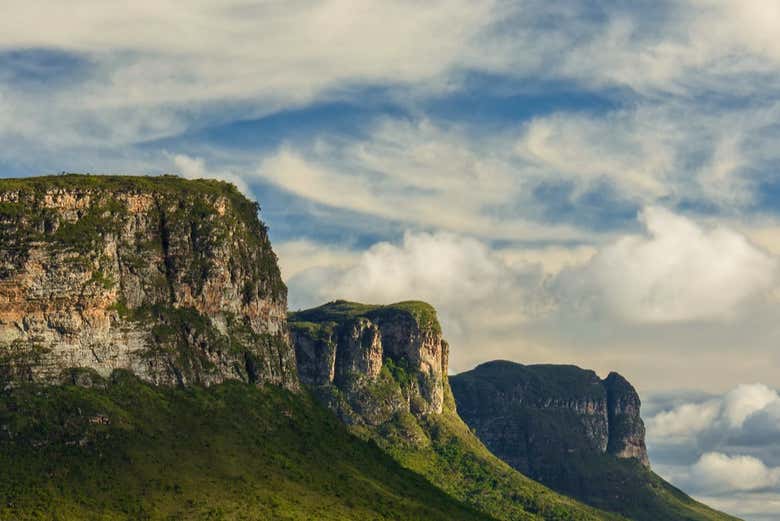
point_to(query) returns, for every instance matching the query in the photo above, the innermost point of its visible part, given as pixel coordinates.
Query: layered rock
(368, 363)
(174, 280)
(626, 428)
(535, 417)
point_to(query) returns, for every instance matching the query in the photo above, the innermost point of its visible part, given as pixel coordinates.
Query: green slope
(505, 404)
(123, 449)
(439, 446)
(443, 449)
(627, 487)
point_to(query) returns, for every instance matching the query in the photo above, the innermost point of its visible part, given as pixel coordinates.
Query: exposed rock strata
(172, 279)
(534, 417)
(368, 363)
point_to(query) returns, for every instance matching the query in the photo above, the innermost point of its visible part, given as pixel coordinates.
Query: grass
(452, 458)
(125, 450)
(438, 446)
(340, 311)
(625, 486)
(184, 217)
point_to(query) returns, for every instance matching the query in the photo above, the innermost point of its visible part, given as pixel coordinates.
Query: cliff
(533, 416)
(574, 432)
(369, 363)
(153, 302)
(383, 371)
(172, 279)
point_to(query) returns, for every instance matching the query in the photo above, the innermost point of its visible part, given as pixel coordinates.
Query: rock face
(626, 428)
(174, 280)
(369, 363)
(556, 424)
(535, 417)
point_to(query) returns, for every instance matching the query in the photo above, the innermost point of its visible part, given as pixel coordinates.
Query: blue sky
(576, 182)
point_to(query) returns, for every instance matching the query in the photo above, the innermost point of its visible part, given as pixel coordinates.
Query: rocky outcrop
(368, 363)
(535, 417)
(626, 428)
(174, 280)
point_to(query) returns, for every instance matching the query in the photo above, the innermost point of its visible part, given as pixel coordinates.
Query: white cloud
(300, 255)
(678, 271)
(153, 70)
(632, 305)
(667, 150)
(684, 421)
(716, 472)
(633, 149)
(723, 450)
(479, 295)
(417, 173)
(195, 168)
(745, 400)
(156, 53)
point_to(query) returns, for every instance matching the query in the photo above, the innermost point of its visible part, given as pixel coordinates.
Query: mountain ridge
(139, 303)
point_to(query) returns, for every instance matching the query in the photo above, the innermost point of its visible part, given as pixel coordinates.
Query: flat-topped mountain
(574, 432)
(149, 370)
(383, 371)
(534, 416)
(371, 362)
(174, 280)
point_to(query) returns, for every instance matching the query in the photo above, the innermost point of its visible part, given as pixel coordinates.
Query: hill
(123, 449)
(383, 371)
(574, 432)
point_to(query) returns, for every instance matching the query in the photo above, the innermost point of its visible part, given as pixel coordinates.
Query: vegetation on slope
(438, 446)
(627, 487)
(125, 450)
(185, 209)
(444, 450)
(526, 415)
(339, 311)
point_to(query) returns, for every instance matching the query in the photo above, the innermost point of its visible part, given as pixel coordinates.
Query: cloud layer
(553, 304)
(723, 448)
(678, 271)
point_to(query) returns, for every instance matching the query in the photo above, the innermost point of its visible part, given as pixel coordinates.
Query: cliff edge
(532, 416)
(172, 279)
(574, 432)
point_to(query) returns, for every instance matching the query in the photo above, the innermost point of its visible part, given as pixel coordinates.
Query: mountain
(148, 371)
(574, 432)
(383, 371)
(174, 280)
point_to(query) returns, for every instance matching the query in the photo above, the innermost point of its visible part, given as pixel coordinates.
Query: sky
(589, 182)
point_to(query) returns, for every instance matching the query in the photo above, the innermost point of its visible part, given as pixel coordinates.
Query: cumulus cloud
(684, 420)
(716, 472)
(677, 271)
(746, 400)
(478, 294)
(630, 305)
(722, 449)
(727, 413)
